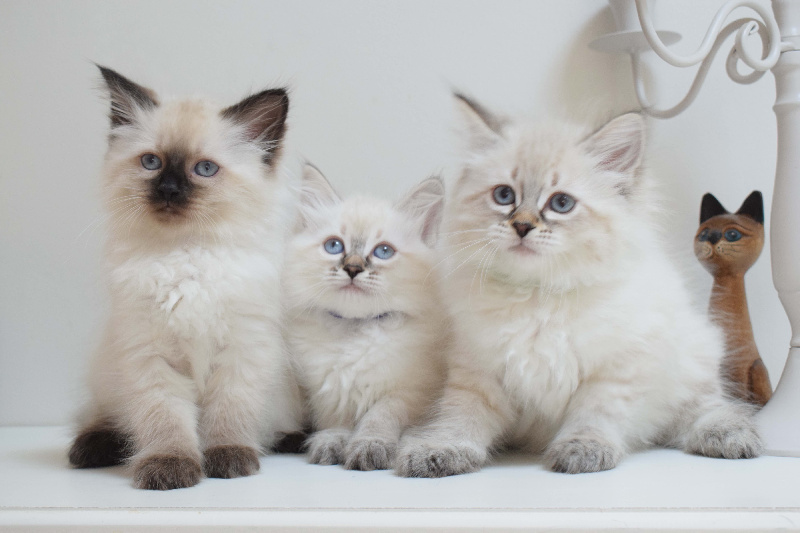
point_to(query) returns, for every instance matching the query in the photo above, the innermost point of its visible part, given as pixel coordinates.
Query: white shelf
(663, 489)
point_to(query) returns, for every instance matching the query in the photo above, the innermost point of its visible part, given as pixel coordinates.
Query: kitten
(579, 338)
(364, 326)
(192, 376)
(727, 245)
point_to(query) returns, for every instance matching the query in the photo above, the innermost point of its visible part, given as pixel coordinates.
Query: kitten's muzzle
(353, 265)
(522, 228)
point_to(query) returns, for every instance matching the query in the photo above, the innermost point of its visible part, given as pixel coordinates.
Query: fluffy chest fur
(347, 365)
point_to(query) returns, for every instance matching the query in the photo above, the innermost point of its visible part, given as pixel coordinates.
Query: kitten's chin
(522, 250)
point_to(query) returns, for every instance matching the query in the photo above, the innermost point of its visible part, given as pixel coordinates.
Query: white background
(370, 106)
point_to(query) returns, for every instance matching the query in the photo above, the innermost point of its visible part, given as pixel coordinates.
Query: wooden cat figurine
(727, 245)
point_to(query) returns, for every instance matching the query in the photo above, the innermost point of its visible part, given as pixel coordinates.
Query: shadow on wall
(593, 85)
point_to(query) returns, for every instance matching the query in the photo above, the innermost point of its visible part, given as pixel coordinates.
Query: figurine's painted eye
(562, 203)
(334, 246)
(504, 195)
(703, 235)
(732, 235)
(383, 251)
(206, 168)
(151, 161)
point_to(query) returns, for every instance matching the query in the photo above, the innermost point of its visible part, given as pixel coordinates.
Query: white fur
(193, 355)
(368, 359)
(584, 343)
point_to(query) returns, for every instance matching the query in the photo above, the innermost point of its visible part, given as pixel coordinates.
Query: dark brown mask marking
(171, 188)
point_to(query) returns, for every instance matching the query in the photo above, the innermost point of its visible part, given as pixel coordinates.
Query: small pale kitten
(192, 376)
(364, 326)
(579, 338)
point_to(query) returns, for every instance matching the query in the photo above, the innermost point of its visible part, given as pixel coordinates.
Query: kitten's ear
(424, 205)
(263, 116)
(710, 207)
(127, 98)
(316, 193)
(481, 128)
(619, 145)
(753, 207)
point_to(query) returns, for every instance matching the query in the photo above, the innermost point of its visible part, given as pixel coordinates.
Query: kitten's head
(729, 243)
(188, 167)
(549, 205)
(362, 257)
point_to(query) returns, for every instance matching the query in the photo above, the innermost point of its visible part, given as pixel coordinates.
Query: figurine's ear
(710, 207)
(481, 128)
(753, 207)
(127, 97)
(424, 205)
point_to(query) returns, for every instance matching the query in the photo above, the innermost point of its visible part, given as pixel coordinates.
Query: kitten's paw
(327, 447)
(579, 455)
(230, 461)
(730, 441)
(369, 454)
(425, 460)
(165, 472)
(95, 448)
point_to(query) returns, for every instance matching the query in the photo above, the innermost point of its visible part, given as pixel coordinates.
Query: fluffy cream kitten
(574, 334)
(192, 376)
(365, 327)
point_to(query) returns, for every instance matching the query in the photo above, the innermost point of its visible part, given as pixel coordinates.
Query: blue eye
(703, 235)
(562, 203)
(504, 195)
(334, 246)
(206, 169)
(732, 235)
(383, 251)
(151, 161)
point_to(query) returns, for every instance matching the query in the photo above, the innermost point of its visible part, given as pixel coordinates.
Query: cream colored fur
(367, 350)
(579, 338)
(192, 355)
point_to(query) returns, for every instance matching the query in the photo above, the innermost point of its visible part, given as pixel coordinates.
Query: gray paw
(326, 447)
(733, 441)
(424, 460)
(166, 472)
(369, 454)
(578, 455)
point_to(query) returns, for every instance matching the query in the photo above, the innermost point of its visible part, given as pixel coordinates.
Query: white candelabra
(779, 51)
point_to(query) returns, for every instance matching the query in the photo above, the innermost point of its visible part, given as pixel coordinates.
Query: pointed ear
(710, 207)
(424, 205)
(481, 129)
(316, 193)
(753, 207)
(127, 98)
(263, 116)
(619, 145)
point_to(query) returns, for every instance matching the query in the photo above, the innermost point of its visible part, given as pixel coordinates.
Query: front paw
(166, 472)
(438, 460)
(579, 455)
(230, 461)
(734, 440)
(327, 447)
(369, 454)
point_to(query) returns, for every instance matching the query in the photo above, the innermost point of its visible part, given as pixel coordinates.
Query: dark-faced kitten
(727, 245)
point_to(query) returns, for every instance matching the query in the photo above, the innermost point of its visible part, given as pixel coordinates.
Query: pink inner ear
(622, 159)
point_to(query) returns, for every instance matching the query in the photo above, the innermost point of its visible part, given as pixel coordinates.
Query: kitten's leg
(158, 406)
(472, 414)
(99, 443)
(327, 446)
(233, 409)
(596, 430)
(374, 442)
(720, 428)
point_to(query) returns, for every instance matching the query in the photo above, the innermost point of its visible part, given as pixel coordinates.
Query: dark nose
(714, 237)
(169, 190)
(353, 270)
(522, 228)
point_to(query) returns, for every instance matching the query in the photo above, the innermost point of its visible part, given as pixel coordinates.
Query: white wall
(370, 106)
